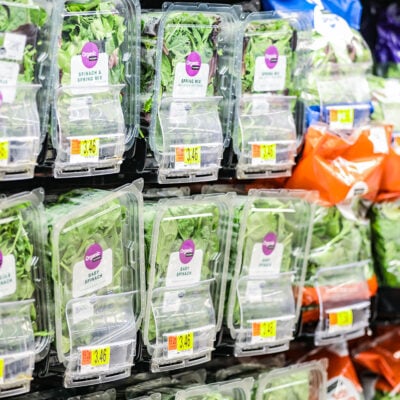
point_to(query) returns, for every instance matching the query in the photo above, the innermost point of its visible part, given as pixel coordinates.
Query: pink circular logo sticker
(269, 243)
(93, 256)
(186, 252)
(193, 63)
(271, 57)
(90, 54)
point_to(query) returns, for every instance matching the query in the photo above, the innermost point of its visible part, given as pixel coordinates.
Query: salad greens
(95, 21)
(258, 37)
(104, 225)
(27, 21)
(337, 240)
(385, 226)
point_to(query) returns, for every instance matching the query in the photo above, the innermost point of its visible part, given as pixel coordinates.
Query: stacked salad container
(187, 270)
(27, 39)
(25, 332)
(192, 109)
(94, 116)
(96, 249)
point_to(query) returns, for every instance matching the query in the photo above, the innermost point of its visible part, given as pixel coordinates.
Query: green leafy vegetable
(385, 225)
(294, 386)
(27, 21)
(96, 21)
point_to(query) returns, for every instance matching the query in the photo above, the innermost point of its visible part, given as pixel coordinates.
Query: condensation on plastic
(265, 120)
(304, 380)
(239, 389)
(84, 310)
(189, 123)
(169, 310)
(19, 347)
(106, 112)
(219, 105)
(260, 269)
(24, 103)
(342, 290)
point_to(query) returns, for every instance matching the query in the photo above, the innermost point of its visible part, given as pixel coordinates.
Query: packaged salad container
(96, 248)
(187, 267)
(301, 381)
(25, 332)
(340, 280)
(239, 389)
(192, 108)
(265, 136)
(27, 39)
(268, 269)
(95, 116)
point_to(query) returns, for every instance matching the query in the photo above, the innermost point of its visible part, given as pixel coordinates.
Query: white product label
(9, 77)
(171, 302)
(333, 27)
(378, 138)
(13, 46)
(79, 108)
(83, 76)
(262, 264)
(183, 273)
(269, 78)
(93, 273)
(343, 389)
(81, 311)
(186, 86)
(254, 291)
(8, 276)
(358, 189)
(259, 106)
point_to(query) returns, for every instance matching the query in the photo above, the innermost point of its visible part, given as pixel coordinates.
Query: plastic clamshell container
(95, 116)
(267, 145)
(153, 396)
(300, 381)
(98, 275)
(23, 291)
(274, 232)
(188, 262)
(27, 34)
(192, 111)
(238, 389)
(344, 303)
(109, 394)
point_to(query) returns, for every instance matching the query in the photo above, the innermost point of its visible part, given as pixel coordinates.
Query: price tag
(188, 157)
(84, 150)
(263, 153)
(342, 118)
(181, 344)
(340, 319)
(96, 358)
(4, 152)
(1, 370)
(264, 330)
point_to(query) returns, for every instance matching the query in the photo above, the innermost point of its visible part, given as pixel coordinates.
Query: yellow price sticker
(4, 150)
(341, 318)
(181, 343)
(1, 370)
(99, 357)
(265, 329)
(264, 152)
(89, 148)
(188, 156)
(342, 117)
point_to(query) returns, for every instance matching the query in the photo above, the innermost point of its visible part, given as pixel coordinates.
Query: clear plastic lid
(239, 389)
(188, 263)
(192, 108)
(96, 247)
(95, 115)
(266, 142)
(27, 38)
(344, 303)
(300, 381)
(110, 394)
(25, 332)
(274, 230)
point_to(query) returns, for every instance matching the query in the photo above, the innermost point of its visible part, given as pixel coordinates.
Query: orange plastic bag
(341, 168)
(391, 171)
